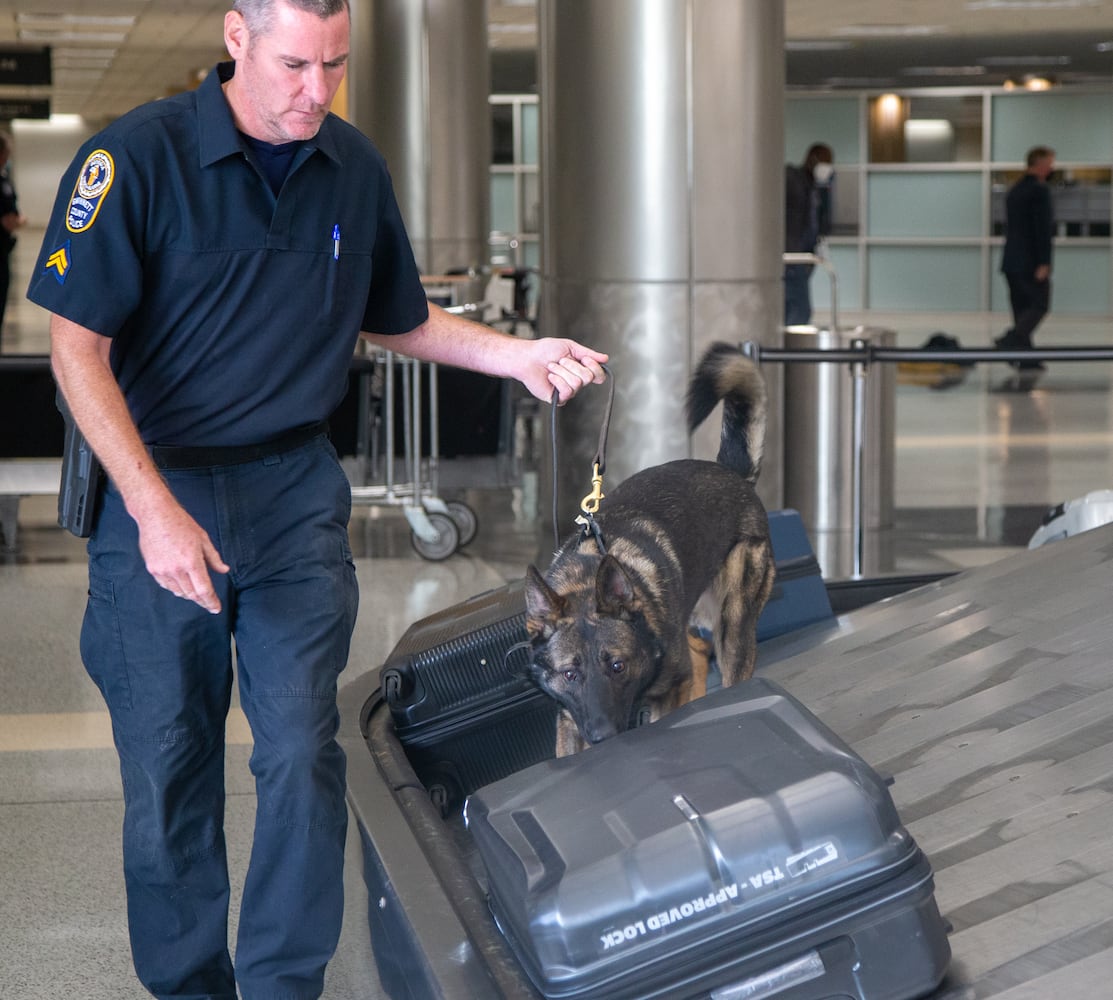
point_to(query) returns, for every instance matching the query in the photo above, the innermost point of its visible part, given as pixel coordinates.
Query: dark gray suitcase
(463, 707)
(735, 849)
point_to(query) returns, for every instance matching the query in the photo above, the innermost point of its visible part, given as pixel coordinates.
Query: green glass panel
(1079, 127)
(503, 213)
(925, 279)
(529, 134)
(1080, 284)
(848, 283)
(833, 120)
(925, 204)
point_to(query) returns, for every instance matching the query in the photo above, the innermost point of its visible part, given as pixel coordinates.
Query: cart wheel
(467, 521)
(446, 542)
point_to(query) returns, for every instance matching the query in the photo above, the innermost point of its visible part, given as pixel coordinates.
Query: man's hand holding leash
(573, 367)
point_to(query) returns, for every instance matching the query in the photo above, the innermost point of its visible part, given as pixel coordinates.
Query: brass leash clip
(590, 503)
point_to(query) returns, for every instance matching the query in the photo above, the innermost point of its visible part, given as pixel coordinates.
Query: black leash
(590, 504)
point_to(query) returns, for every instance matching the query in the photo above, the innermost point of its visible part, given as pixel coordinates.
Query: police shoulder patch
(58, 263)
(93, 182)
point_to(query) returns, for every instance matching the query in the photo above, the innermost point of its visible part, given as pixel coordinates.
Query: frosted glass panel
(928, 279)
(529, 133)
(925, 204)
(531, 202)
(503, 216)
(848, 275)
(1079, 127)
(1079, 285)
(818, 119)
(844, 201)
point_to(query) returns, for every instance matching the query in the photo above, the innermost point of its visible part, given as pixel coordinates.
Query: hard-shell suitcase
(736, 848)
(461, 702)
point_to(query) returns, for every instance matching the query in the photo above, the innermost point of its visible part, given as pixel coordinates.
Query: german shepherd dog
(685, 545)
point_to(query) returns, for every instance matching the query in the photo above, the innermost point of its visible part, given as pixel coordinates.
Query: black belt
(175, 457)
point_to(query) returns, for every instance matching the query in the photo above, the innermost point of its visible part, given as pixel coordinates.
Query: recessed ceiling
(877, 44)
(110, 55)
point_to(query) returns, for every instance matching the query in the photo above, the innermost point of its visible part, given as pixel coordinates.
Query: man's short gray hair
(258, 15)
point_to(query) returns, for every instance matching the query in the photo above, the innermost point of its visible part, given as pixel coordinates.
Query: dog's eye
(571, 676)
(617, 666)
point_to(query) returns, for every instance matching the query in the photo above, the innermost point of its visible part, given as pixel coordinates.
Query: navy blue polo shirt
(233, 312)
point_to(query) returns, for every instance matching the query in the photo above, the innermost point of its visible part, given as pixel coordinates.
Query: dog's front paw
(568, 738)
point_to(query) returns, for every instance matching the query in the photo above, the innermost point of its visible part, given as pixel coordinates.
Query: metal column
(662, 182)
(418, 83)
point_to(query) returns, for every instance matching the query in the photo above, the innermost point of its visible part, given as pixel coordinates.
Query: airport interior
(621, 183)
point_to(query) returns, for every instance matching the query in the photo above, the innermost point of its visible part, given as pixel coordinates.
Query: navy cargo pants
(164, 667)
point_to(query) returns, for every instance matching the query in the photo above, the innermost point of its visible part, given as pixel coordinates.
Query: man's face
(287, 77)
(1044, 167)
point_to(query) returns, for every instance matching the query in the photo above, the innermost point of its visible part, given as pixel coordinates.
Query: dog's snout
(601, 731)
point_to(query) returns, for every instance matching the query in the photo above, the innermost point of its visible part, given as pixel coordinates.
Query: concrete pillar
(662, 181)
(418, 82)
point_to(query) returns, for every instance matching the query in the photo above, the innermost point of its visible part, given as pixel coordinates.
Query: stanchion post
(388, 415)
(858, 371)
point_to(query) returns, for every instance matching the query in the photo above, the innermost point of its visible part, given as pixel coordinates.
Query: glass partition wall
(921, 178)
(918, 195)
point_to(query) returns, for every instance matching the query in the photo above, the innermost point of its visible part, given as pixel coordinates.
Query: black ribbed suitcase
(736, 848)
(463, 707)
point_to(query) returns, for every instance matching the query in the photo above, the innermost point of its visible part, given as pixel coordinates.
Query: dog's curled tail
(725, 373)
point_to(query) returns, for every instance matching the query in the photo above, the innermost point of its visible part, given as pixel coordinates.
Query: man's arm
(176, 549)
(540, 365)
(1043, 230)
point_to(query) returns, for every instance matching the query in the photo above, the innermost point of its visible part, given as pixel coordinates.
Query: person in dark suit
(1026, 262)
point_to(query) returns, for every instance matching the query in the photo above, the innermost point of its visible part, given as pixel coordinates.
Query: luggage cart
(438, 527)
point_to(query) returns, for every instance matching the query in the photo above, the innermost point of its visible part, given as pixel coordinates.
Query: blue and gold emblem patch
(92, 185)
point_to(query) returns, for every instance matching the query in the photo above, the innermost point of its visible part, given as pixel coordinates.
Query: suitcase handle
(396, 686)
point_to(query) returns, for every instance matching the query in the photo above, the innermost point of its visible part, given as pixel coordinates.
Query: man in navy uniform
(211, 259)
(1026, 261)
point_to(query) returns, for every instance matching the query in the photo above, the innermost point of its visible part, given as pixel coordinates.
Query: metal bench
(19, 478)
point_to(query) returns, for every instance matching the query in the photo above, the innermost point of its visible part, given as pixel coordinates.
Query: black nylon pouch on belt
(174, 457)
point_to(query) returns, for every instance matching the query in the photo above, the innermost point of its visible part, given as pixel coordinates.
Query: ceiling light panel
(47, 36)
(75, 21)
(890, 30)
(1009, 5)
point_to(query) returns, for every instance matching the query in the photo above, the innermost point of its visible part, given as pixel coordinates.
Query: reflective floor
(976, 465)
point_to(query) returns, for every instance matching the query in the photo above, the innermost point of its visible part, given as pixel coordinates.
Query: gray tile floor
(975, 466)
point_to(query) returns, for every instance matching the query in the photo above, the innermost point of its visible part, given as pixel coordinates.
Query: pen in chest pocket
(330, 285)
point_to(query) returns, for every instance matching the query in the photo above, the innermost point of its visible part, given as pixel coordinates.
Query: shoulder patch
(58, 263)
(93, 182)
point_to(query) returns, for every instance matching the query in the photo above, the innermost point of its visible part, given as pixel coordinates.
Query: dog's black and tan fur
(687, 546)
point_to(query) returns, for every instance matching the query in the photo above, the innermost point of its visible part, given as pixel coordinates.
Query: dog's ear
(544, 606)
(614, 590)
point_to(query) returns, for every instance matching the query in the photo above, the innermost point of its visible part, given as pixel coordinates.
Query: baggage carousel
(987, 697)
